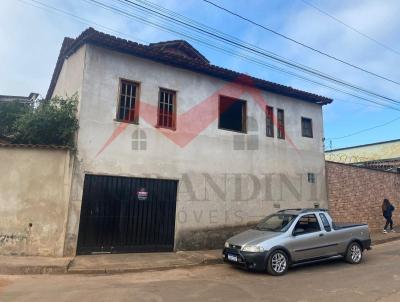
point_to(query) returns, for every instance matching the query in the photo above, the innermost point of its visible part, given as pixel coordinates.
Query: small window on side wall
(166, 109)
(311, 178)
(128, 102)
(281, 123)
(306, 127)
(232, 114)
(269, 115)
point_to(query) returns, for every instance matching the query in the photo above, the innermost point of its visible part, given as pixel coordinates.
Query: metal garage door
(125, 214)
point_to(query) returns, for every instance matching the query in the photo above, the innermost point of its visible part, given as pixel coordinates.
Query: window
(307, 224)
(167, 109)
(232, 114)
(281, 124)
(276, 223)
(325, 222)
(311, 178)
(306, 127)
(128, 103)
(269, 114)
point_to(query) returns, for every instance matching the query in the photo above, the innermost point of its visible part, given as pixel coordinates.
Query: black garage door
(125, 214)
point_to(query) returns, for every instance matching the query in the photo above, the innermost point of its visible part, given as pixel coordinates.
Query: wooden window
(281, 124)
(232, 114)
(306, 127)
(166, 109)
(128, 102)
(269, 114)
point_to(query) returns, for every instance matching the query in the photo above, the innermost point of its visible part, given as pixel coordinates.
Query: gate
(125, 214)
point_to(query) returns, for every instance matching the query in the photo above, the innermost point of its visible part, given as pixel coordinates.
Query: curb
(114, 271)
(43, 269)
(386, 240)
(32, 270)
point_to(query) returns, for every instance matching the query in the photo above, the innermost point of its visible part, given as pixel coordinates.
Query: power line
(351, 27)
(215, 34)
(213, 46)
(365, 130)
(346, 136)
(300, 43)
(269, 66)
(80, 19)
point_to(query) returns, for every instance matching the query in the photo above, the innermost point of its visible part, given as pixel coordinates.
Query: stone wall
(34, 195)
(355, 194)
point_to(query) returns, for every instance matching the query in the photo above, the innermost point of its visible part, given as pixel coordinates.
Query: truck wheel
(354, 253)
(278, 263)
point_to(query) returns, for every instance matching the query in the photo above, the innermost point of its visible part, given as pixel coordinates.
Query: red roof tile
(91, 36)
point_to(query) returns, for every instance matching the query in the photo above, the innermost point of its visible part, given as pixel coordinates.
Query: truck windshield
(276, 223)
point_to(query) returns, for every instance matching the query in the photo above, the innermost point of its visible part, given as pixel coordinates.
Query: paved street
(377, 279)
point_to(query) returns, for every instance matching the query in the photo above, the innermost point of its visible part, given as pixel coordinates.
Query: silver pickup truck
(295, 236)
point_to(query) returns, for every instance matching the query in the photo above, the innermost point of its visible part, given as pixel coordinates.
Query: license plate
(232, 258)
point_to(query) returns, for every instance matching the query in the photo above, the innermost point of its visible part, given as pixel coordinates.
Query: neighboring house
(383, 155)
(30, 99)
(175, 153)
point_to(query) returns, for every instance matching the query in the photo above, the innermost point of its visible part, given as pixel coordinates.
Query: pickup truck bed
(339, 226)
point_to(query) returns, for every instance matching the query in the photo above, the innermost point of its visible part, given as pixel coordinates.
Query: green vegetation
(53, 122)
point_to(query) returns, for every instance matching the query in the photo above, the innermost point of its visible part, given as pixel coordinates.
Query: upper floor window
(281, 123)
(232, 114)
(128, 103)
(306, 127)
(166, 109)
(269, 114)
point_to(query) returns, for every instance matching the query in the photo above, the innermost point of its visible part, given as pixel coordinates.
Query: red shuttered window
(128, 102)
(167, 109)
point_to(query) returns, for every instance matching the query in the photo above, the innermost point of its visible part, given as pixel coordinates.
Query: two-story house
(176, 153)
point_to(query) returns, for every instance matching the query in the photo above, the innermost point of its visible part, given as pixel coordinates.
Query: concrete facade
(356, 194)
(222, 187)
(34, 198)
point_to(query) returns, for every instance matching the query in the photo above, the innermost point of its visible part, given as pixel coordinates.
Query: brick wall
(355, 194)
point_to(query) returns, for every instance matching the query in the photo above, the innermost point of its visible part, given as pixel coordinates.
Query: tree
(53, 122)
(9, 113)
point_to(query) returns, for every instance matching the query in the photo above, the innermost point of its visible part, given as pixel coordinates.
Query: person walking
(387, 211)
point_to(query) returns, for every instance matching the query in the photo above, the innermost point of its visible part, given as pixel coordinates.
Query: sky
(31, 37)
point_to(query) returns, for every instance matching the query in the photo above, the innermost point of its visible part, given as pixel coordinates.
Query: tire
(278, 263)
(354, 253)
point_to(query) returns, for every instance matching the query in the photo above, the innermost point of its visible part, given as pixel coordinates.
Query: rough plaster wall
(209, 161)
(71, 76)
(70, 82)
(356, 194)
(34, 189)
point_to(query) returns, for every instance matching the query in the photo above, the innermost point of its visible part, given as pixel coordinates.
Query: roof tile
(91, 36)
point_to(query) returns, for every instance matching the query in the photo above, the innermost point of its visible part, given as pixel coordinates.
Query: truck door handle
(320, 235)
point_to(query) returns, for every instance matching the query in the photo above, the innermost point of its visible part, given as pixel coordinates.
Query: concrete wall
(356, 194)
(220, 188)
(34, 195)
